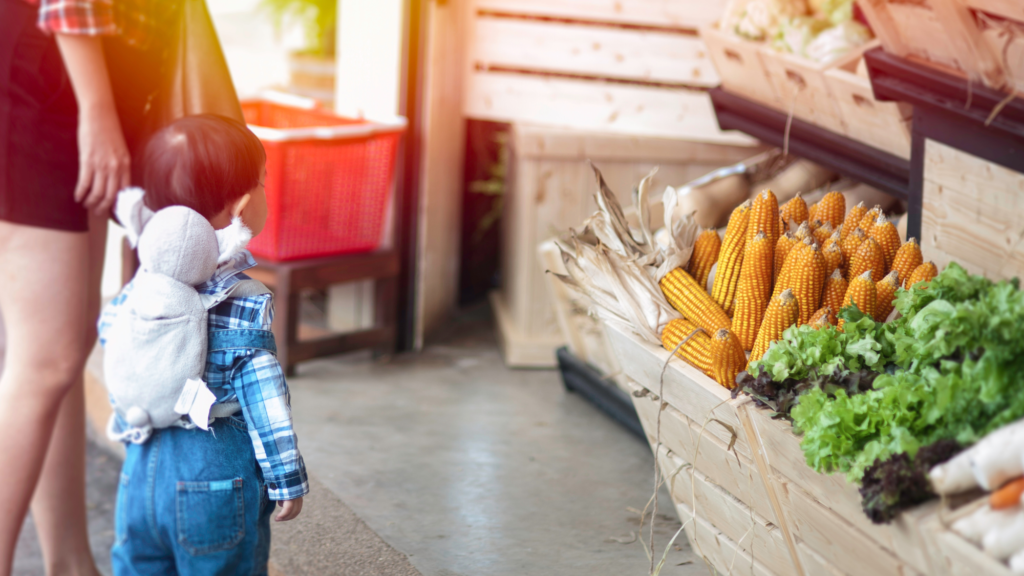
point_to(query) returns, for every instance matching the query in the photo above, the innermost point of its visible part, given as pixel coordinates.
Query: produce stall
(841, 393)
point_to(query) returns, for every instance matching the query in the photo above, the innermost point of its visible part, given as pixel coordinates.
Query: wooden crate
(740, 65)
(824, 511)
(884, 125)
(802, 87)
(943, 33)
(632, 67)
(550, 189)
(722, 553)
(756, 535)
(973, 213)
(953, 555)
(727, 468)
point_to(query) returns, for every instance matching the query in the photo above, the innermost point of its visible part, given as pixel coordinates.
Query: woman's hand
(104, 162)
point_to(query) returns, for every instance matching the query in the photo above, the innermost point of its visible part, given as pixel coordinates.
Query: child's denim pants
(192, 502)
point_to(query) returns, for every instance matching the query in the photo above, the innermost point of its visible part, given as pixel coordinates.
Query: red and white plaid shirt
(86, 17)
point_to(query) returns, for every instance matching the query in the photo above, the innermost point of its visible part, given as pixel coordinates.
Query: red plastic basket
(329, 180)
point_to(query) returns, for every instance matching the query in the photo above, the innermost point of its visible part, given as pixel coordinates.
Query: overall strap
(242, 338)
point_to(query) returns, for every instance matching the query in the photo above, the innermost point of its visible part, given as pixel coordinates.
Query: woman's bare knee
(52, 376)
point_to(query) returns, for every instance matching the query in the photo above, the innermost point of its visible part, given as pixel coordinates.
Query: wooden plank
(884, 125)
(520, 351)
(952, 554)
(545, 142)
(596, 106)
(813, 564)
(756, 535)
(801, 87)
(836, 540)
(686, 389)
(831, 492)
(741, 66)
(628, 54)
(713, 458)
(441, 178)
(660, 13)
(973, 212)
(722, 553)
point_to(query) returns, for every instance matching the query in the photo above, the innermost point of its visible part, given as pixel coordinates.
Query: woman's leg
(58, 507)
(44, 294)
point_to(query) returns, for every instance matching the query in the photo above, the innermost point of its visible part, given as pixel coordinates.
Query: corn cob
(907, 259)
(705, 254)
(861, 292)
(923, 273)
(833, 258)
(794, 211)
(867, 257)
(853, 219)
(868, 221)
(754, 290)
(887, 237)
(850, 246)
(823, 233)
(815, 224)
(885, 291)
(823, 317)
(832, 208)
(727, 277)
(782, 282)
(727, 358)
(803, 231)
(835, 291)
(806, 278)
(786, 243)
(693, 302)
(836, 238)
(812, 211)
(764, 217)
(696, 351)
(783, 311)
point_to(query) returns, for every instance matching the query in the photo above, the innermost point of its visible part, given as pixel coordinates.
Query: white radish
(976, 525)
(954, 476)
(1002, 542)
(1017, 562)
(997, 459)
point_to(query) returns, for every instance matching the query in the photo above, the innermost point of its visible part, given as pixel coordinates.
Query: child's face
(254, 215)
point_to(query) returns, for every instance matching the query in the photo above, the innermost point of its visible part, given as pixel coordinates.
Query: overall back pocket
(210, 515)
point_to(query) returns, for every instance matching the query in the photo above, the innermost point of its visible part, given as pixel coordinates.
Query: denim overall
(194, 502)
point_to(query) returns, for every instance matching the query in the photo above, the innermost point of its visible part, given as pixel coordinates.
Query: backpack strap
(241, 338)
(240, 289)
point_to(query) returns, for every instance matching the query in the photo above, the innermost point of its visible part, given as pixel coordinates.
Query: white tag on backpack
(195, 401)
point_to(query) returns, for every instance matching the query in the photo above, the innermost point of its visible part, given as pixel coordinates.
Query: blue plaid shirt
(253, 378)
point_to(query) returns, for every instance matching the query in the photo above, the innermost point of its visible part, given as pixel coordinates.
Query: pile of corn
(779, 267)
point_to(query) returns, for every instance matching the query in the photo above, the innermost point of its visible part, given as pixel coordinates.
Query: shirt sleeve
(266, 405)
(81, 17)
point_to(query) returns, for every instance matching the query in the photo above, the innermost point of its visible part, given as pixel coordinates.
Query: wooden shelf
(848, 157)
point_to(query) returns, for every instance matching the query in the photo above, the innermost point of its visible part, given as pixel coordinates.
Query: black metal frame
(580, 377)
(950, 110)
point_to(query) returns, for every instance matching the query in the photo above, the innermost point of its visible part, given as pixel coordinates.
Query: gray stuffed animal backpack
(156, 345)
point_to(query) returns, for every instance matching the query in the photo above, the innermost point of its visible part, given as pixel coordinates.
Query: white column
(369, 57)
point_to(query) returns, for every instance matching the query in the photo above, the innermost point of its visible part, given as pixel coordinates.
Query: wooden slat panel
(686, 389)
(724, 554)
(595, 106)
(593, 51)
(789, 470)
(973, 213)
(664, 13)
(757, 536)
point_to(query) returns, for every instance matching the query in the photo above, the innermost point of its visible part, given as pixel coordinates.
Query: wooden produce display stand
(550, 189)
(623, 84)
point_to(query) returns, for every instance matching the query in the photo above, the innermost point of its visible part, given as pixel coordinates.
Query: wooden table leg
(286, 319)
(385, 308)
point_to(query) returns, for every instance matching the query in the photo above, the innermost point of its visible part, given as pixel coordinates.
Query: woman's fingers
(96, 189)
(84, 183)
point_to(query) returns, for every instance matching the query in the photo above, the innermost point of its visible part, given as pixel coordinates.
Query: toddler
(197, 497)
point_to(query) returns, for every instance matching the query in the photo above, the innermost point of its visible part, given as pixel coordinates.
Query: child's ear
(240, 205)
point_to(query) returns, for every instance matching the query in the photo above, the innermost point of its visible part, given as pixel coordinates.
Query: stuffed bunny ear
(132, 213)
(232, 239)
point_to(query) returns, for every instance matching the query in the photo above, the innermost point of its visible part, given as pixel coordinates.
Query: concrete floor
(442, 464)
(470, 468)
